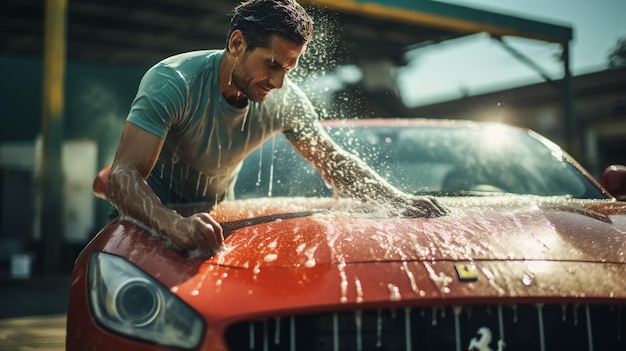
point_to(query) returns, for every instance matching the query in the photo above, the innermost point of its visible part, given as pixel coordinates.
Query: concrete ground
(33, 313)
(33, 333)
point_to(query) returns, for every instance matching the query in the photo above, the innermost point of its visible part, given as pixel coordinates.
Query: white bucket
(21, 265)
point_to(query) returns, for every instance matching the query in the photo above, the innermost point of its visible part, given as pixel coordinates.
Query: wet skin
(128, 191)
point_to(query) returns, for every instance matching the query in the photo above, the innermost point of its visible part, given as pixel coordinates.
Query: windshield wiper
(461, 193)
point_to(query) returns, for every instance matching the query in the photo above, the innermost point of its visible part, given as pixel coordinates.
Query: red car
(531, 257)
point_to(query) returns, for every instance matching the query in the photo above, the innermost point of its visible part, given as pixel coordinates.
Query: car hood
(305, 232)
(299, 255)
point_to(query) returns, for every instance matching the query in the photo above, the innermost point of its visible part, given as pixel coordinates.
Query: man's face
(259, 71)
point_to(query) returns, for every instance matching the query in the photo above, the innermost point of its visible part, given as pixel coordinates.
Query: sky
(476, 64)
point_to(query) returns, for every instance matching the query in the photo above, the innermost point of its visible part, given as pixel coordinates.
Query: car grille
(481, 328)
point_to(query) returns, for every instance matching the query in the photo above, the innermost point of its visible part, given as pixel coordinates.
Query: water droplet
(394, 292)
(343, 285)
(359, 290)
(441, 280)
(270, 257)
(527, 280)
(257, 269)
(411, 277)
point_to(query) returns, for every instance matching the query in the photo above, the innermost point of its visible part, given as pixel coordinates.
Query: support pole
(571, 129)
(51, 171)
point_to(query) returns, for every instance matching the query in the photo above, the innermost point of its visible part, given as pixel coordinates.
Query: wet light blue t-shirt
(206, 138)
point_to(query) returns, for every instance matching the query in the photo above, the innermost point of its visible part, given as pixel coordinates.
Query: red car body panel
(332, 258)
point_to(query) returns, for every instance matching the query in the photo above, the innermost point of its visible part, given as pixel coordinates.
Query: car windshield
(440, 161)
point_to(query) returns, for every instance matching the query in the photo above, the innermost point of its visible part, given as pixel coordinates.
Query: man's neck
(229, 90)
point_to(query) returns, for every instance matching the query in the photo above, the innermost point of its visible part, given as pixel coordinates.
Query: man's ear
(237, 43)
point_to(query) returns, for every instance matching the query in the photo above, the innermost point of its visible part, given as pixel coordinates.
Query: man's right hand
(129, 192)
(198, 231)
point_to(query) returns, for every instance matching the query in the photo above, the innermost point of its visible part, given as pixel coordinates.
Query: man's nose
(277, 78)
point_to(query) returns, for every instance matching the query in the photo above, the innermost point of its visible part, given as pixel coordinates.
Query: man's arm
(128, 191)
(353, 178)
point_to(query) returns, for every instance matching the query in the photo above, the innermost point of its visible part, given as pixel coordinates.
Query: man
(197, 115)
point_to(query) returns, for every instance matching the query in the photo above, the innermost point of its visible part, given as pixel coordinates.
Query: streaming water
(277, 331)
(271, 180)
(457, 326)
(379, 327)
(344, 282)
(258, 181)
(542, 337)
(358, 323)
(407, 329)
(219, 151)
(359, 290)
(251, 335)
(441, 280)
(492, 281)
(412, 281)
(394, 292)
(310, 254)
(214, 125)
(589, 332)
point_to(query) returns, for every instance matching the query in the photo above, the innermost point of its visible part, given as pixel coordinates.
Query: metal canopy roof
(145, 31)
(448, 18)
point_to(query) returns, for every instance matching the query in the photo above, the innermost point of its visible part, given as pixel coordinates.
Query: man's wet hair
(258, 20)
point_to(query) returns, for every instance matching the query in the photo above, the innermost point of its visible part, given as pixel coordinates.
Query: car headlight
(128, 301)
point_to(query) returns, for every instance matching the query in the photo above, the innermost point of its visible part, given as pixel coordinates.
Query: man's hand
(422, 207)
(198, 231)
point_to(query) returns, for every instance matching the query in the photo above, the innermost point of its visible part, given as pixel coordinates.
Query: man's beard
(238, 82)
(244, 86)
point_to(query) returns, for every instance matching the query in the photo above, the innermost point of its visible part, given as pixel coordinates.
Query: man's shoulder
(191, 62)
(185, 57)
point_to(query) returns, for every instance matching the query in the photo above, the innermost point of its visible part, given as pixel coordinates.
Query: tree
(617, 57)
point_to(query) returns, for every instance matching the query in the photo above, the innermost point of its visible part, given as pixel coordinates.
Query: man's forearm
(129, 193)
(353, 178)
